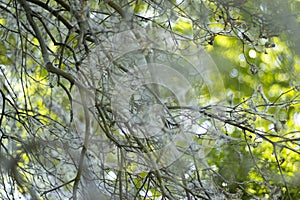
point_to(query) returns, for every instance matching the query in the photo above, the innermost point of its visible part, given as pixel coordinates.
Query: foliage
(83, 115)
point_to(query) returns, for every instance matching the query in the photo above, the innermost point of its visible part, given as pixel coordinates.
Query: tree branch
(52, 11)
(117, 8)
(85, 144)
(3, 107)
(48, 65)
